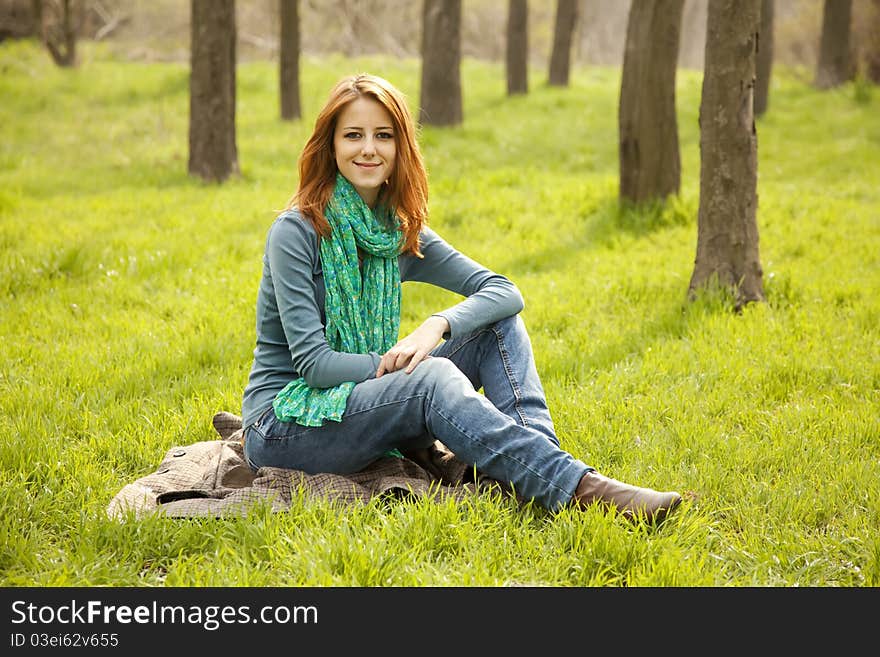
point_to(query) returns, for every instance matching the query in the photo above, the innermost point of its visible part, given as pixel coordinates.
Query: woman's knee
(445, 385)
(440, 373)
(437, 369)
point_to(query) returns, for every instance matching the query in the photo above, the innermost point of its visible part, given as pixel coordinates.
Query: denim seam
(508, 369)
(466, 342)
(388, 403)
(505, 360)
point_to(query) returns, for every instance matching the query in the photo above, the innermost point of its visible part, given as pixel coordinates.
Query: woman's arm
(489, 297)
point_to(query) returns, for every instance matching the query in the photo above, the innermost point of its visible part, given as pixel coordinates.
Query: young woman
(332, 388)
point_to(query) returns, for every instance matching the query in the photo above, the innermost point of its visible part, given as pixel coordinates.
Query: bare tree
(288, 74)
(213, 154)
(727, 229)
(650, 164)
(835, 60)
(517, 47)
(560, 57)
(55, 20)
(764, 66)
(440, 102)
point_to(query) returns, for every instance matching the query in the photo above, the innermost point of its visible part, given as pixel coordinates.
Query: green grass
(126, 321)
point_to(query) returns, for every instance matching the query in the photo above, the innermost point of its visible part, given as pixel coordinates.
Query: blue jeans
(506, 432)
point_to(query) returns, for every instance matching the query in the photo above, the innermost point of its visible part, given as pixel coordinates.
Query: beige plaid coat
(212, 479)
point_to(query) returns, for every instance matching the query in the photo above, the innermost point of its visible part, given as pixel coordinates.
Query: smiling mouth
(366, 166)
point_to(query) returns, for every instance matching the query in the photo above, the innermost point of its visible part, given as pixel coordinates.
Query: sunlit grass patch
(126, 321)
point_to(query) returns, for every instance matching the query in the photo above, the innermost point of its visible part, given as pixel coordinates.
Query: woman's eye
(352, 135)
(385, 135)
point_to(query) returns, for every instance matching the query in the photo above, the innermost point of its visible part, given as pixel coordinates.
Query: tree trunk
(871, 42)
(440, 102)
(289, 61)
(835, 62)
(517, 47)
(560, 57)
(727, 229)
(213, 154)
(37, 13)
(650, 164)
(58, 31)
(764, 66)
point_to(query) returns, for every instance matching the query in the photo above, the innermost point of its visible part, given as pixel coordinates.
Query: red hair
(406, 190)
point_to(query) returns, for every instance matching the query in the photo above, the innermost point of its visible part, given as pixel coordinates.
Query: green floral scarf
(362, 308)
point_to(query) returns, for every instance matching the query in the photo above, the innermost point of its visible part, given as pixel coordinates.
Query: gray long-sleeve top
(290, 339)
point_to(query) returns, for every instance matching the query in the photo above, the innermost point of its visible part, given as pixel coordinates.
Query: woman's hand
(414, 348)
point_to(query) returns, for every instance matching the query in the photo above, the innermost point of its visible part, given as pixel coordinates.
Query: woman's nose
(368, 147)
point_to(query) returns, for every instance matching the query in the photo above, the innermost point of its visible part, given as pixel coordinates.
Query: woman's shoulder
(430, 240)
(292, 222)
(435, 252)
(293, 216)
(292, 231)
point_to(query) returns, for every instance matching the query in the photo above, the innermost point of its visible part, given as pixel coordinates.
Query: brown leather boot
(632, 502)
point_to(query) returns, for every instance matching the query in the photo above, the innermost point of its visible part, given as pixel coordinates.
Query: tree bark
(58, 31)
(871, 42)
(517, 47)
(37, 13)
(764, 66)
(650, 164)
(835, 60)
(560, 57)
(213, 154)
(440, 102)
(288, 74)
(727, 230)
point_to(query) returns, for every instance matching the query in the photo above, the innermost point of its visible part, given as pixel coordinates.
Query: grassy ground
(126, 322)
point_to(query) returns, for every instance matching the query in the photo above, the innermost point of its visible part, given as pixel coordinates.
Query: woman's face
(365, 146)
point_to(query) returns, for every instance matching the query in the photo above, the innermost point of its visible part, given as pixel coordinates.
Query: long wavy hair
(406, 191)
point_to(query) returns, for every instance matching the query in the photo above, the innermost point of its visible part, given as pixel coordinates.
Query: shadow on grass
(601, 225)
(668, 321)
